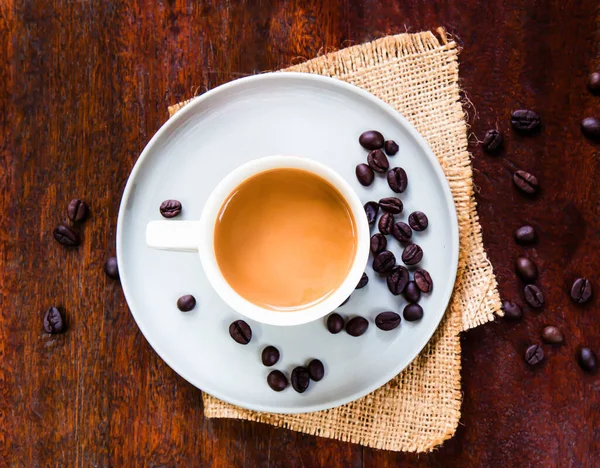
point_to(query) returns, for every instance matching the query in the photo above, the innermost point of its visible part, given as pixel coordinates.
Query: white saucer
(278, 113)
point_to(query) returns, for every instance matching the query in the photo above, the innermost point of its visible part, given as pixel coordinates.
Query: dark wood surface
(84, 85)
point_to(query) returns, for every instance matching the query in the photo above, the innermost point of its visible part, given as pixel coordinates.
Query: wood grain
(85, 86)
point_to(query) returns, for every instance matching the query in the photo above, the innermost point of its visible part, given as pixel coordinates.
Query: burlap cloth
(417, 74)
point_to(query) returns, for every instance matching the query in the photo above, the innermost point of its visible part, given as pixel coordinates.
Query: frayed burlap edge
(420, 408)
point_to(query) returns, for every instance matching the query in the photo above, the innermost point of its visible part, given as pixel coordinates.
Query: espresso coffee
(285, 239)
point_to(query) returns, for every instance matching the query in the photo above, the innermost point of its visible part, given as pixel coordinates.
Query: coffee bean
(170, 208)
(77, 210)
(423, 280)
(371, 209)
(526, 269)
(492, 141)
(300, 379)
(364, 174)
(525, 235)
(66, 236)
(412, 254)
(371, 140)
(385, 223)
(525, 121)
(186, 303)
(398, 280)
(552, 335)
(378, 243)
(412, 312)
(581, 291)
(590, 127)
(412, 293)
(277, 380)
(378, 161)
(364, 279)
(316, 370)
(512, 310)
(384, 261)
(402, 232)
(418, 221)
(335, 323)
(526, 182)
(534, 355)
(534, 296)
(594, 82)
(387, 321)
(357, 326)
(269, 356)
(391, 147)
(391, 205)
(587, 359)
(241, 332)
(397, 179)
(111, 268)
(53, 321)
(345, 301)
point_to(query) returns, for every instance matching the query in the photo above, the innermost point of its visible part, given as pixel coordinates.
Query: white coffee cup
(198, 236)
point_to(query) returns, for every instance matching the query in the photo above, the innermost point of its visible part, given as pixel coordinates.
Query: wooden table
(84, 87)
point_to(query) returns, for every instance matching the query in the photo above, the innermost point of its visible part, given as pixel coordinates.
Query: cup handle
(183, 236)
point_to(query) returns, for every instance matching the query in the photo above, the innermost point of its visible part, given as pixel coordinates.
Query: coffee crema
(285, 239)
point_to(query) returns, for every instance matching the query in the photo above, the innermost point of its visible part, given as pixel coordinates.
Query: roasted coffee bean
(364, 174)
(378, 243)
(412, 254)
(357, 326)
(492, 141)
(391, 147)
(552, 335)
(581, 291)
(385, 223)
(300, 379)
(512, 310)
(170, 208)
(590, 127)
(526, 182)
(587, 359)
(378, 161)
(397, 179)
(316, 370)
(335, 323)
(534, 355)
(387, 321)
(594, 82)
(371, 210)
(345, 301)
(111, 268)
(391, 205)
(277, 380)
(526, 269)
(241, 332)
(412, 293)
(423, 280)
(402, 232)
(412, 312)
(364, 279)
(186, 303)
(371, 139)
(269, 356)
(66, 236)
(525, 235)
(534, 296)
(384, 261)
(525, 121)
(418, 221)
(398, 280)
(77, 210)
(53, 321)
